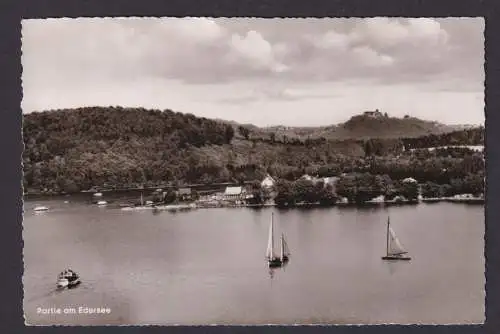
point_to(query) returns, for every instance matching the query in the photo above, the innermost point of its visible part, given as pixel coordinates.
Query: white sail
(270, 242)
(286, 251)
(395, 247)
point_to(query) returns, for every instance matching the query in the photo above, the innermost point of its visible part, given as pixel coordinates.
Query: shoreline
(132, 189)
(195, 206)
(229, 205)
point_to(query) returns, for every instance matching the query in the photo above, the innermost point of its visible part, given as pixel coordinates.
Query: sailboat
(284, 253)
(394, 250)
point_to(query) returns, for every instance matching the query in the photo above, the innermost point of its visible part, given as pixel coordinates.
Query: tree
(368, 148)
(473, 184)
(229, 133)
(409, 190)
(359, 188)
(245, 132)
(430, 190)
(170, 196)
(285, 196)
(327, 196)
(194, 195)
(445, 190)
(304, 191)
(272, 137)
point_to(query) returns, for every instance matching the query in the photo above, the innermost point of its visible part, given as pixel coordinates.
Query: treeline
(76, 149)
(73, 150)
(359, 188)
(304, 191)
(58, 130)
(377, 146)
(474, 136)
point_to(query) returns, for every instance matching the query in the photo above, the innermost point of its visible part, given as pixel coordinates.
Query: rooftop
(233, 191)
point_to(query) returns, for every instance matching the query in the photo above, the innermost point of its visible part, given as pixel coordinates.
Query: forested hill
(363, 126)
(73, 150)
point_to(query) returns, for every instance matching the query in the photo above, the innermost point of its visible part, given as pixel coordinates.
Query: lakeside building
(184, 194)
(268, 182)
(234, 194)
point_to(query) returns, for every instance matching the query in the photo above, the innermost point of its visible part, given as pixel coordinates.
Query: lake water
(207, 266)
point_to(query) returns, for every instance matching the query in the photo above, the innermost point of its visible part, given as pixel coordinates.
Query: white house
(331, 180)
(409, 180)
(307, 177)
(268, 182)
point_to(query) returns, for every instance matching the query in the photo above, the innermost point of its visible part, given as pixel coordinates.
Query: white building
(332, 180)
(234, 193)
(306, 177)
(268, 182)
(409, 180)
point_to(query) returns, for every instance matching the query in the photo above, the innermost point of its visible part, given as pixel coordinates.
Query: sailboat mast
(272, 234)
(282, 248)
(387, 236)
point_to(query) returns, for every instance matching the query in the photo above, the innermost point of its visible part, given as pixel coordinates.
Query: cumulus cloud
(210, 50)
(82, 54)
(255, 51)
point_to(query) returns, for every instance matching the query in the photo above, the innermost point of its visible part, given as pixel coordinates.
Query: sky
(294, 72)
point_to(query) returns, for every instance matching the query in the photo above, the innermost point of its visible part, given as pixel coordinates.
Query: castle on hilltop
(374, 114)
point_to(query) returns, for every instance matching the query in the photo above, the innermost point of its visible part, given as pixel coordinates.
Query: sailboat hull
(277, 262)
(393, 257)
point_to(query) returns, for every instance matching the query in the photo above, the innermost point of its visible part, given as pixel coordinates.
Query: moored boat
(40, 208)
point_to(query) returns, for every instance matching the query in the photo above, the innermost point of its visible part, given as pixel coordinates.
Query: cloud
(275, 94)
(87, 54)
(366, 56)
(386, 33)
(255, 52)
(209, 50)
(331, 40)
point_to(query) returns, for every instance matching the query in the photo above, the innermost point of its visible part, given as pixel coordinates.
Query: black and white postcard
(250, 171)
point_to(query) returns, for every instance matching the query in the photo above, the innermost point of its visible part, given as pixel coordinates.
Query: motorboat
(68, 278)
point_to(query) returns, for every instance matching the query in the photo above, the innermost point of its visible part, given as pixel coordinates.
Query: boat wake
(48, 290)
